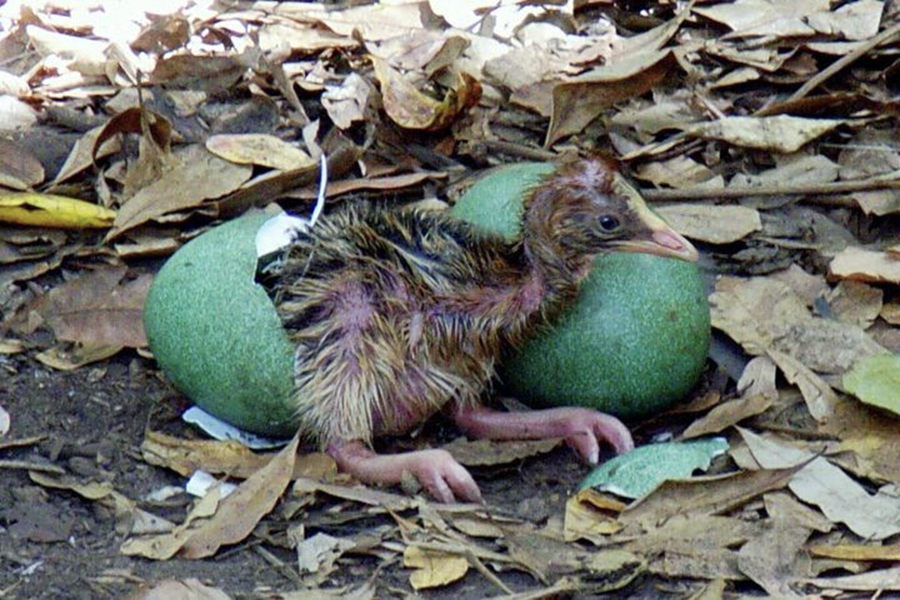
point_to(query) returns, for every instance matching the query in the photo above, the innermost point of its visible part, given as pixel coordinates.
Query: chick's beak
(652, 235)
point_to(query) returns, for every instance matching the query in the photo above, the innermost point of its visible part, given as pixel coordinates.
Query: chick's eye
(609, 223)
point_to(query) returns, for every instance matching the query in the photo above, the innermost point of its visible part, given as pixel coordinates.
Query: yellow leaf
(433, 568)
(857, 552)
(48, 210)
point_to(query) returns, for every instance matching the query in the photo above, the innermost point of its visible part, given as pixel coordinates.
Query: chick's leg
(583, 429)
(436, 470)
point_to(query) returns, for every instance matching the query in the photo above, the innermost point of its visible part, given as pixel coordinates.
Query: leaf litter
(767, 131)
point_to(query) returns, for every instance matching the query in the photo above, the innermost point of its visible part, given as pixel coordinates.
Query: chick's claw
(582, 428)
(436, 470)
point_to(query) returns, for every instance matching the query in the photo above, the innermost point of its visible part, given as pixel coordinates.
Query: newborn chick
(397, 315)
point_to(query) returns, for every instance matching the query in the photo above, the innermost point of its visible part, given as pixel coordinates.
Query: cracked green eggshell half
(216, 335)
(637, 338)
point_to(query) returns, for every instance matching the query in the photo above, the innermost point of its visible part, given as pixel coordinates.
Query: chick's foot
(436, 470)
(583, 429)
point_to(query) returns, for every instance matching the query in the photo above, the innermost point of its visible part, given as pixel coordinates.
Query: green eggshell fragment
(642, 470)
(216, 334)
(636, 339)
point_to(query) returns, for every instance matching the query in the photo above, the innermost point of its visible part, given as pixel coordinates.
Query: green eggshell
(494, 202)
(637, 338)
(216, 334)
(634, 343)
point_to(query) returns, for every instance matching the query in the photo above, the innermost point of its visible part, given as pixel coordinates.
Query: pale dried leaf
(873, 581)
(765, 17)
(4, 421)
(241, 511)
(198, 176)
(797, 169)
(839, 496)
(865, 265)
(433, 568)
(497, 452)
(716, 224)
(856, 303)
(180, 589)
(758, 379)
(807, 286)
(854, 21)
(346, 104)
(69, 358)
(727, 414)
(783, 506)
(319, 553)
(99, 308)
(259, 149)
(778, 134)
(771, 559)
(817, 393)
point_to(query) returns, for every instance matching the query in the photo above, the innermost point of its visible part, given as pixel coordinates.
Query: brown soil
(56, 544)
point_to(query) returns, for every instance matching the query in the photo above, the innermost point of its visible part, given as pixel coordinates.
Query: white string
(323, 183)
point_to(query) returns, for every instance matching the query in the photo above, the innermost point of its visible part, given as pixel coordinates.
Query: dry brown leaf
(783, 506)
(84, 153)
(19, 169)
(373, 22)
(819, 482)
(766, 317)
(807, 286)
(433, 568)
(858, 552)
(301, 38)
(412, 109)
(346, 104)
(877, 581)
(872, 435)
(694, 546)
(778, 134)
(497, 452)
(368, 496)
(165, 546)
(773, 560)
(749, 18)
(259, 149)
(100, 308)
(590, 515)
(207, 73)
(711, 223)
(856, 303)
(68, 357)
(819, 397)
(187, 456)
(679, 172)
(345, 186)
(180, 589)
(794, 168)
(198, 176)
(227, 457)
(79, 53)
(727, 414)
(580, 100)
(239, 513)
(317, 555)
(859, 264)
(854, 21)
(890, 312)
(758, 379)
(711, 495)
